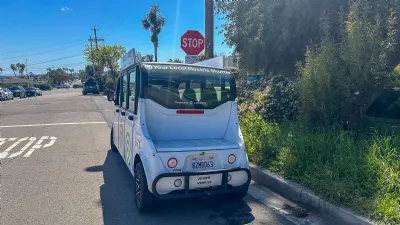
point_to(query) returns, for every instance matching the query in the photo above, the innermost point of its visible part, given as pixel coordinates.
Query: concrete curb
(296, 193)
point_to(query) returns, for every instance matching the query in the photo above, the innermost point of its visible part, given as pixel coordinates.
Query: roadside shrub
(357, 168)
(261, 138)
(280, 102)
(109, 87)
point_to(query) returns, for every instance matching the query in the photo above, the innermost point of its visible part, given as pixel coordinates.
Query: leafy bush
(280, 102)
(109, 86)
(357, 169)
(260, 138)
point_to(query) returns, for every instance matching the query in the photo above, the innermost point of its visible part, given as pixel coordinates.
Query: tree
(57, 76)
(21, 68)
(271, 36)
(147, 58)
(89, 71)
(341, 79)
(82, 75)
(175, 60)
(106, 56)
(14, 69)
(154, 21)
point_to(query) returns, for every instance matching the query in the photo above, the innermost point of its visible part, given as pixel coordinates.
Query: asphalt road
(56, 168)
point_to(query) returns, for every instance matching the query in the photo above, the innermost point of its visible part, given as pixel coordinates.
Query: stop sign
(192, 42)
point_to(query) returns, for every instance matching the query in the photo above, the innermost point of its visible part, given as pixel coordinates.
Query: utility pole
(27, 75)
(95, 37)
(91, 50)
(209, 28)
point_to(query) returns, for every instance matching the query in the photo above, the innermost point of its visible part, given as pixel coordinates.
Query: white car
(176, 127)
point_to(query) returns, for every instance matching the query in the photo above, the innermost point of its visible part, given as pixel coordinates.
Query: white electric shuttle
(176, 127)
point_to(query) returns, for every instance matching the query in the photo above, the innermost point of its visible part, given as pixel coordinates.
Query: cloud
(65, 9)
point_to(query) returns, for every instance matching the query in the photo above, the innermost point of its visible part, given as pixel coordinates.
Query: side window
(124, 91)
(117, 97)
(132, 90)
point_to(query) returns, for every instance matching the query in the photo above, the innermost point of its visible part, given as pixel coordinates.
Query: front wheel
(237, 196)
(143, 197)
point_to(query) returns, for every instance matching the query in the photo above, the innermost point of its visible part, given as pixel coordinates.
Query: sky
(50, 33)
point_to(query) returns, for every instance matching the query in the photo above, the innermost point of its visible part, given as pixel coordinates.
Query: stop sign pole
(192, 42)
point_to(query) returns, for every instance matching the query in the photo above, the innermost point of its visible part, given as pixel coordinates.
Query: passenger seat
(209, 95)
(190, 94)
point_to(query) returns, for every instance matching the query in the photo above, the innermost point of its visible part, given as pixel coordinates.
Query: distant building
(10, 81)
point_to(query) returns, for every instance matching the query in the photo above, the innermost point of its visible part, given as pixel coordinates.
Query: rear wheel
(113, 147)
(143, 197)
(84, 93)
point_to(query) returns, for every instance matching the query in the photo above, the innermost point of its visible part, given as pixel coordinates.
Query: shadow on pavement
(94, 169)
(117, 198)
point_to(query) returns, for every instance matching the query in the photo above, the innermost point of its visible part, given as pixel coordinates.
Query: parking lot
(57, 169)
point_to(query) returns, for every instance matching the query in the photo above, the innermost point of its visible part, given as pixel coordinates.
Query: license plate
(204, 181)
(201, 163)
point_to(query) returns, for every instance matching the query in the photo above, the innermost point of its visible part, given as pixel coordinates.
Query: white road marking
(36, 146)
(51, 124)
(12, 139)
(53, 139)
(2, 141)
(31, 140)
(5, 153)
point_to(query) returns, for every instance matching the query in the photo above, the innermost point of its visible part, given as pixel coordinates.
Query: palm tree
(154, 21)
(18, 65)
(14, 69)
(21, 69)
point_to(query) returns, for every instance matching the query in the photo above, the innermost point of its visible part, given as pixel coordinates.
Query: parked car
(62, 86)
(2, 95)
(90, 86)
(31, 92)
(18, 91)
(38, 92)
(9, 94)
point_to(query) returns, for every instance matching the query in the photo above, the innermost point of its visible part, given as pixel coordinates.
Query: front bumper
(222, 189)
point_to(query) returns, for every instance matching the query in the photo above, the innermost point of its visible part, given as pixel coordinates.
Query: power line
(30, 49)
(53, 60)
(116, 27)
(59, 65)
(54, 50)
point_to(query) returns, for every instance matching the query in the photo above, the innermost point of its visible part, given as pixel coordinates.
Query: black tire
(113, 147)
(84, 93)
(143, 198)
(237, 196)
